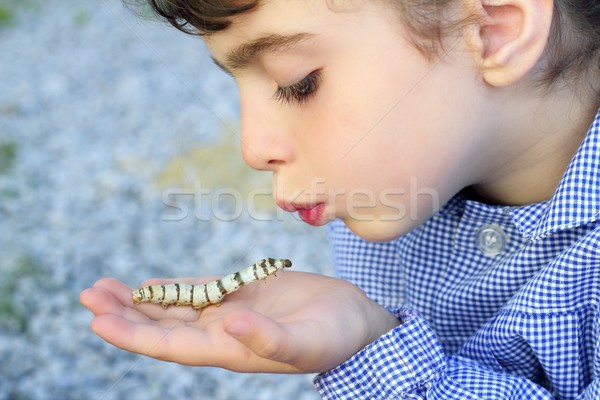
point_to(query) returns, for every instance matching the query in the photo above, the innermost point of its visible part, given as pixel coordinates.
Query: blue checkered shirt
(496, 302)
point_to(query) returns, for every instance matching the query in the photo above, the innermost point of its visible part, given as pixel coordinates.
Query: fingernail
(238, 328)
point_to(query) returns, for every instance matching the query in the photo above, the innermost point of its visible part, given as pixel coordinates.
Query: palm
(299, 322)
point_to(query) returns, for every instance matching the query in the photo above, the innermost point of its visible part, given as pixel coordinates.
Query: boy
(456, 146)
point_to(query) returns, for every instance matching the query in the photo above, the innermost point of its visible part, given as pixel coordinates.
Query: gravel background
(109, 127)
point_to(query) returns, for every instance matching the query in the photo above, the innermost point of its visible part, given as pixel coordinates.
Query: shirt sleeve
(409, 362)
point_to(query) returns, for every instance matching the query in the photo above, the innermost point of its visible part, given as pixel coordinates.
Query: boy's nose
(262, 152)
(265, 147)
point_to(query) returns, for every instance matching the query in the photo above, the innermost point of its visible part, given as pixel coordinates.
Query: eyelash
(300, 92)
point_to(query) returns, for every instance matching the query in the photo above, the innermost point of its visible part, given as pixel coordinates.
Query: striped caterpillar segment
(199, 296)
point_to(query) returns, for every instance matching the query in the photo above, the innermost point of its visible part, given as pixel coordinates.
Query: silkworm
(199, 296)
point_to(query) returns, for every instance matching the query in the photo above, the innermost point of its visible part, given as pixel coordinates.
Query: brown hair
(573, 46)
(196, 17)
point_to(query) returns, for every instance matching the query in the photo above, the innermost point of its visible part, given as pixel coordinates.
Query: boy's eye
(299, 92)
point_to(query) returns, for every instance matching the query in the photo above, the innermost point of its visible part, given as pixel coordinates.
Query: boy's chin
(380, 230)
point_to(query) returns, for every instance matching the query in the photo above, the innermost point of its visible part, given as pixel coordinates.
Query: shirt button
(491, 240)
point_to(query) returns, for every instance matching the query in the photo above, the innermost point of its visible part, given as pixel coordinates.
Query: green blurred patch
(7, 16)
(14, 316)
(8, 154)
(10, 8)
(80, 17)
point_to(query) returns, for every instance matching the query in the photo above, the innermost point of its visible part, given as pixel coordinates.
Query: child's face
(367, 129)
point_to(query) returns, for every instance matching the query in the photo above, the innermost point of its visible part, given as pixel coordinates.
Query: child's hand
(296, 322)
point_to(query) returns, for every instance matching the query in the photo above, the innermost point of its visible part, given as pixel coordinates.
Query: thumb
(260, 334)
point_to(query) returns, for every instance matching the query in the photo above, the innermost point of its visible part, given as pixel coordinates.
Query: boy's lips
(312, 214)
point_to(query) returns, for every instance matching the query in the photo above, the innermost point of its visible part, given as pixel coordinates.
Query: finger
(102, 302)
(105, 296)
(138, 337)
(267, 338)
(118, 289)
(110, 296)
(175, 341)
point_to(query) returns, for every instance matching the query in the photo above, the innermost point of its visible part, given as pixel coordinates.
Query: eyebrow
(239, 57)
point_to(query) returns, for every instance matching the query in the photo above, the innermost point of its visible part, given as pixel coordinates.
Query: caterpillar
(199, 296)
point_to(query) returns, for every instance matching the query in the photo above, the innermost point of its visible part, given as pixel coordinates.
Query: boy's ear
(512, 37)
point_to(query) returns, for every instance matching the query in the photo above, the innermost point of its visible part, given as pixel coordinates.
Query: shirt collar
(576, 200)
